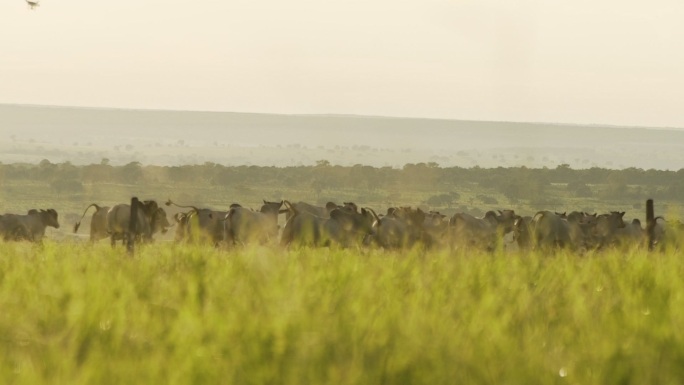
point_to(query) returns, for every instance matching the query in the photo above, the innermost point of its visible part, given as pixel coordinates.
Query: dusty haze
(83, 136)
(598, 62)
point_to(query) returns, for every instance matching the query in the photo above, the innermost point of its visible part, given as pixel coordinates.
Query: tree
(131, 173)
(322, 163)
(442, 200)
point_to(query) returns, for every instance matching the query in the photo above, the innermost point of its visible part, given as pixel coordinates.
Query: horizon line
(340, 115)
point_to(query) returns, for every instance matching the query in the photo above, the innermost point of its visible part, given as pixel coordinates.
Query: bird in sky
(33, 3)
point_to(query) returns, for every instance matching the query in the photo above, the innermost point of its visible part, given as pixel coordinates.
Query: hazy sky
(576, 61)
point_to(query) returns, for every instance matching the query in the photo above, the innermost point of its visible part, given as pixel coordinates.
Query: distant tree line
(443, 184)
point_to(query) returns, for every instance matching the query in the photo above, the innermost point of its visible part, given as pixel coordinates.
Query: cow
(98, 223)
(199, 224)
(560, 230)
(303, 207)
(467, 231)
(348, 228)
(604, 232)
(303, 228)
(667, 233)
(13, 229)
(344, 227)
(150, 219)
(350, 206)
(632, 235)
(242, 225)
(29, 227)
(435, 229)
(402, 228)
(524, 229)
(549, 231)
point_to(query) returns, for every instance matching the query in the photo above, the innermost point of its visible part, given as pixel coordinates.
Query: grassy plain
(76, 314)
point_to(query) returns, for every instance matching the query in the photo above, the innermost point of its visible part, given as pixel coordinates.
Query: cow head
(503, 219)
(603, 231)
(271, 208)
(149, 208)
(351, 206)
(48, 217)
(159, 221)
(330, 206)
(364, 222)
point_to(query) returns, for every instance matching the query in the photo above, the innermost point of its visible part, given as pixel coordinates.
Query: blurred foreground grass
(75, 314)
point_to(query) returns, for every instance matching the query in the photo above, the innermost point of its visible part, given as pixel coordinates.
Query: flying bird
(33, 3)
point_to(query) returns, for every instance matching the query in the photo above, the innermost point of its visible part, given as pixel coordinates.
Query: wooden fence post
(132, 226)
(650, 224)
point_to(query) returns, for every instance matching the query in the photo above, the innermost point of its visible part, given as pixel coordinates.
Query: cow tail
(78, 224)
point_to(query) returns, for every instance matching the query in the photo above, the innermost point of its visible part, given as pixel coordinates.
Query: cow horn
(289, 207)
(374, 214)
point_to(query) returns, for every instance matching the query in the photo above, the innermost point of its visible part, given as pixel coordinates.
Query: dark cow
(435, 229)
(403, 227)
(303, 207)
(484, 233)
(524, 230)
(29, 227)
(150, 219)
(345, 228)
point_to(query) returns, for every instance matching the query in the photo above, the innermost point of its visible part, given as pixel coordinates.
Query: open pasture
(81, 314)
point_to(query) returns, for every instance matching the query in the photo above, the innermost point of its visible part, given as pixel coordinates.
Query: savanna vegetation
(177, 315)
(68, 187)
(81, 314)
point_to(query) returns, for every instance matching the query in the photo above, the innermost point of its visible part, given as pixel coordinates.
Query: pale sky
(574, 61)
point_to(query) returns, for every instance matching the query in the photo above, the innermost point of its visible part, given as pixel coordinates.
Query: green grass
(75, 314)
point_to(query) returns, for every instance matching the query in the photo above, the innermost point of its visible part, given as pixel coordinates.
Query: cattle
(351, 206)
(13, 229)
(181, 220)
(98, 223)
(523, 232)
(348, 228)
(604, 232)
(668, 234)
(303, 207)
(199, 224)
(304, 229)
(344, 228)
(29, 227)
(632, 235)
(573, 231)
(150, 219)
(244, 226)
(467, 231)
(435, 229)
(550, 230)
(401, 228)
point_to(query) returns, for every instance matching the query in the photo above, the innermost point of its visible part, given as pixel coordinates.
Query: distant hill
(86, 135)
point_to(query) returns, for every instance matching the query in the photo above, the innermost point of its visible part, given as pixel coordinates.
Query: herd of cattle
(347, 225)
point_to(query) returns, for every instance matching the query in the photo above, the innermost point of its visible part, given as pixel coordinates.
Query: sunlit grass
(78, 314)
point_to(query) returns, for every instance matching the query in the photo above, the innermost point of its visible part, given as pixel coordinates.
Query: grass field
(76, 314)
